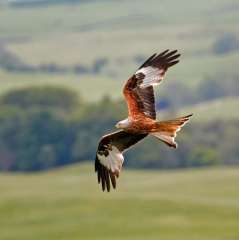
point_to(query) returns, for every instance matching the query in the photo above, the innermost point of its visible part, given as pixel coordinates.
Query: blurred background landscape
(63, 65)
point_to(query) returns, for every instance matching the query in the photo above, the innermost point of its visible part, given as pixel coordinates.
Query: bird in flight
(141, 121)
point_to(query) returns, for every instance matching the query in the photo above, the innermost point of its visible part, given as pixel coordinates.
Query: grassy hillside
(171, 205)
(121, 32)
(219, 109)
(91, 88)
(124, 14)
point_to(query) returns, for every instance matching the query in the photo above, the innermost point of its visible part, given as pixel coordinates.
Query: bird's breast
(140, 125)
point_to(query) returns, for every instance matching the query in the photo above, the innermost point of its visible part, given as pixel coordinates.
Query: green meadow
(90, 87)
(219, 109)
(198, 204)
(71, 34)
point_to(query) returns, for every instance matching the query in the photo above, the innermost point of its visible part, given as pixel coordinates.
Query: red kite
(141, 121)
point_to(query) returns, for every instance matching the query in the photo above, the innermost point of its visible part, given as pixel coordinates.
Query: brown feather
(166, 131)
(141, 101)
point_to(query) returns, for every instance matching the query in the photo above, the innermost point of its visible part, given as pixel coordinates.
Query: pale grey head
(123, 124)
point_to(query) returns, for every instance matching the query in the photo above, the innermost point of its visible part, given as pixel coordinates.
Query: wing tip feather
(105, 177)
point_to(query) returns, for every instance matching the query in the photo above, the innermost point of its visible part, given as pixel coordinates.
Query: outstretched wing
(109, 158)
(138, 90)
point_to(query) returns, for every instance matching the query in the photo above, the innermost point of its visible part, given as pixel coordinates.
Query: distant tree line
(224, 44)
(12, 63)
(54, 68)
(46, 127)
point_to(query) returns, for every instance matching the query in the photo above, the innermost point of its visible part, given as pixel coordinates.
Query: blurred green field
(200, 204)
(91, 88)
(123, 14)
(219, 109)
(120, 32)
(105, 84)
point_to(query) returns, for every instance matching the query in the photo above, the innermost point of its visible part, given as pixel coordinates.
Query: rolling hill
(172, 205)
(121, 33)
(219, 109)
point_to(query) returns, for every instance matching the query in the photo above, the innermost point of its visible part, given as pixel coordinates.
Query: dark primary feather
(120, 139)
(148, 60)
(165, 59)
(144, 97)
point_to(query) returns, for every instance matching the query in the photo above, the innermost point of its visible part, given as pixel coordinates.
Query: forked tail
(166, 130)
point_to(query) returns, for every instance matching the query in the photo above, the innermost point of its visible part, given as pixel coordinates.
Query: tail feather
(166, 131)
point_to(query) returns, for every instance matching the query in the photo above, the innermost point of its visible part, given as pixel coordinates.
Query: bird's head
(122, 124)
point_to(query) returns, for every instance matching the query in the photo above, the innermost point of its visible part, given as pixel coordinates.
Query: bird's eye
(106, 153)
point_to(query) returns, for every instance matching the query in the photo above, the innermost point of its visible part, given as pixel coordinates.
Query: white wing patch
(113, 161)
(152, 76)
